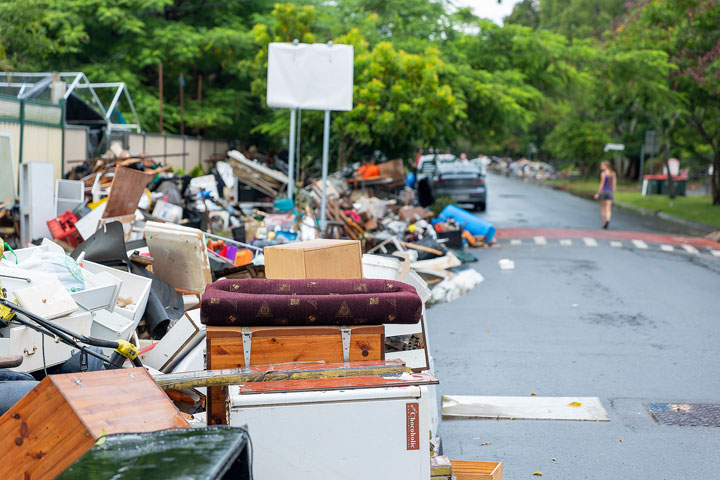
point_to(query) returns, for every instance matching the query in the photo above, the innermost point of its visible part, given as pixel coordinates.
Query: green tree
(687, 30)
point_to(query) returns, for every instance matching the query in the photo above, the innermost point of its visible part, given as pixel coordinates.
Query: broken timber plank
(238, 376)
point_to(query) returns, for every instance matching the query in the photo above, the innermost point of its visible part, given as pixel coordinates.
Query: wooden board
(62, 417)
(127, 187)
(320, 384)
(524, 408)
(277, 345)
(464, 470)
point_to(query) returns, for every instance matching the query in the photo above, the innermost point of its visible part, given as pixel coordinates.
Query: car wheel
(481, 206)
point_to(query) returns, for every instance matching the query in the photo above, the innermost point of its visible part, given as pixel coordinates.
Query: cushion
(264, 302)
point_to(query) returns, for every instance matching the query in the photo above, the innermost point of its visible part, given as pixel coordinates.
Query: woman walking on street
(606, 192)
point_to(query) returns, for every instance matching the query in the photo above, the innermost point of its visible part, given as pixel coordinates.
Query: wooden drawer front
(229, 353)
(225, 350)
(21, 340)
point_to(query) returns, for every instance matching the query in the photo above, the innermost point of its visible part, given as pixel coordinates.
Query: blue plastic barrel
(471, 223)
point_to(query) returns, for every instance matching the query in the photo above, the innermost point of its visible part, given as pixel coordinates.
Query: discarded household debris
(243, 306)
(506, 264)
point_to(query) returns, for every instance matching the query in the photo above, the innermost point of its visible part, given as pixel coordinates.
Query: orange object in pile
(243, 257)
(469, 237)
(369, 171)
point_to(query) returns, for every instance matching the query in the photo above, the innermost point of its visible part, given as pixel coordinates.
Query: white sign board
(310, 76)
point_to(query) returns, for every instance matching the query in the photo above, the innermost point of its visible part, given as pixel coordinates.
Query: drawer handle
(30, 353)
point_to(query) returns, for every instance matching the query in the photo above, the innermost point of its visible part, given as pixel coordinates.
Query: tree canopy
(566, 76)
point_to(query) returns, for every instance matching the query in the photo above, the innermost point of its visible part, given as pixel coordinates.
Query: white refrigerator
(351, 434)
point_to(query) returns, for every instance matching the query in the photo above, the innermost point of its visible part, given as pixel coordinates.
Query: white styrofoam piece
(530, 408)
(22, 340)
(322, 433)
(310, 76)
(133, 286)
(47, 299)
(176, 343)
(88, 225)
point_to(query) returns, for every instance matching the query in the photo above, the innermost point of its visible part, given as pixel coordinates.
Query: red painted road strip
(620, 235)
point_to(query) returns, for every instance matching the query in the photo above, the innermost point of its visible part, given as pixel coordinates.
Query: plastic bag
(67, 269)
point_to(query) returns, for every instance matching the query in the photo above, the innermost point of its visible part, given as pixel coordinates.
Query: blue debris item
(468, 221)
(410, 180)
(289, 236)
(283, 205)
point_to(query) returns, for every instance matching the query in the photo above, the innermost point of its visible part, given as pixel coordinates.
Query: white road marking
(590, 242)
(565, 242)
(540, 241)
(691, 249)
(639, 244)
(615, 244)
(515, 241)
(666, 248)
(715, 252)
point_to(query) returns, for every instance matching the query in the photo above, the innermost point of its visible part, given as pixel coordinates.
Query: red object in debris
(63, 228)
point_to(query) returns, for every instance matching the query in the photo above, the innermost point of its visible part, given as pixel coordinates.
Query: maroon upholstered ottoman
(263, 302)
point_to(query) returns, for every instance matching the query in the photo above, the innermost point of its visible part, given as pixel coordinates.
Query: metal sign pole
(297, 148)
(326, 148)
(291, 154)
(642, 163)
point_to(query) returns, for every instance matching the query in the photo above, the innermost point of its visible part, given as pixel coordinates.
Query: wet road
(630, 326)
(513, 203)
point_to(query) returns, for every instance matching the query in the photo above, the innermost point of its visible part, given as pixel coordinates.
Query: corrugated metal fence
(38, 134)
(175, 150)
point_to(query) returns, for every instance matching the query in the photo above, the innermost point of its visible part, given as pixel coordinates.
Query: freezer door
(378, 433)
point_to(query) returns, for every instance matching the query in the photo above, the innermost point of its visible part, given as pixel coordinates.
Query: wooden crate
(465, 470)
(62, 417)
(275, 345)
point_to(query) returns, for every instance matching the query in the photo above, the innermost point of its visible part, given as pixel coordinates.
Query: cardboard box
(393, 169)
(314, 259)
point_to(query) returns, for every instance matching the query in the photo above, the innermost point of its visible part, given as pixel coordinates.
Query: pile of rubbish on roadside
(140, 300)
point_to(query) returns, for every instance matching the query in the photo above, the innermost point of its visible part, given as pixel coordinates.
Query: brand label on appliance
(413, 426)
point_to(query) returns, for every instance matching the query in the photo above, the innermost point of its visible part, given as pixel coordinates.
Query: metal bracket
(345, 333)
(247, 344)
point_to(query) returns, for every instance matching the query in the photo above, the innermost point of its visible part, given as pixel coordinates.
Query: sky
(489, 8)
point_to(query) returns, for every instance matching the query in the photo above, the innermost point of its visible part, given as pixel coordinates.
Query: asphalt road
(627, 325)
(513, 203)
